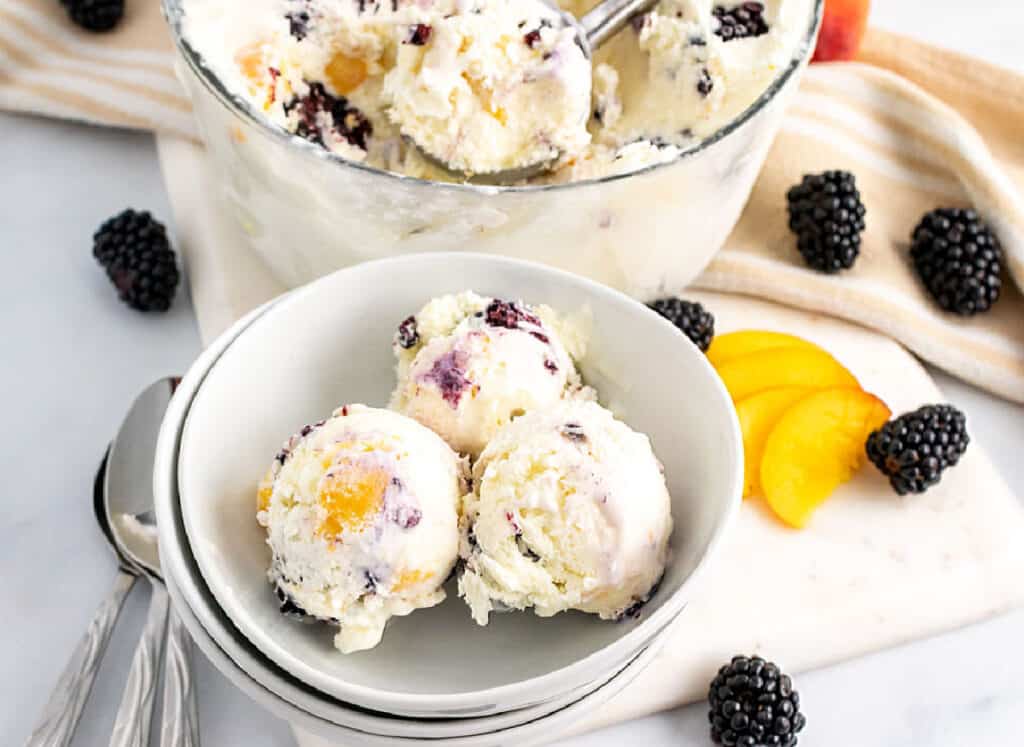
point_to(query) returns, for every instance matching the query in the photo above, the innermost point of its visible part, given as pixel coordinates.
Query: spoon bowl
(128, 494)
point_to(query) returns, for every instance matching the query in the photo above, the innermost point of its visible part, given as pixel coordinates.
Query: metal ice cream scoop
(592, 30)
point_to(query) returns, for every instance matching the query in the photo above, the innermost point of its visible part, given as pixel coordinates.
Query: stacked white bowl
(436, 675)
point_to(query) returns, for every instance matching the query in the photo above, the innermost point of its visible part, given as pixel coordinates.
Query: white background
(73, 358)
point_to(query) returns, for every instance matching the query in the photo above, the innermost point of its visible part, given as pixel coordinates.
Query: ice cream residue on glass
(567, 508)
(493, 85)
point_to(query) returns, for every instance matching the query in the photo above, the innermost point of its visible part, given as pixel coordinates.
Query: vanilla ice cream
(361, 517)
(469, 364)
(488, 85)
(568, 510)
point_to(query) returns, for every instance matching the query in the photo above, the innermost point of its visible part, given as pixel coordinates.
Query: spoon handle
(57, 723)
(134, 716)
(180, 726)
(606, 19)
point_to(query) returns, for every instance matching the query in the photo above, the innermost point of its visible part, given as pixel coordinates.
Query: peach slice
(734, 344)
(758, 414)
(784, 367)
(842, 30)
(816, 446)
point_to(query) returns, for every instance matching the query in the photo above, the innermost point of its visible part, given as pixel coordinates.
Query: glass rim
(239, 106)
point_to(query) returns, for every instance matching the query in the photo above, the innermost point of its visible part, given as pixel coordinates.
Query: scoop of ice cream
(361, 516)
(502, 85)
(569, 510)
(467, 365)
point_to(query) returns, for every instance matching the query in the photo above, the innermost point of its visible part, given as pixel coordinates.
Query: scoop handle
(606, 19)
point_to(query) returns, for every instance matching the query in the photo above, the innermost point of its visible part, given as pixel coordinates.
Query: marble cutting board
(871, 570)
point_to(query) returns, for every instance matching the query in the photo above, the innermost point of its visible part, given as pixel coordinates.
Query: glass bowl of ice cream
(521, 505)
(309, 110)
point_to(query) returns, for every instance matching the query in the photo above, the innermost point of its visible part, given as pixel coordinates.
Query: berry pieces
(509, 314)
(692, 319)
(419, 34)
(827, 216)
(298, 24)
(288, 607)
(959, 260)
(346, 122)
(94, 15)
(753, 704)
(408, 335)
(133, 248)
(449, 375)
(915, 448)
(705, 83)
(740, 21)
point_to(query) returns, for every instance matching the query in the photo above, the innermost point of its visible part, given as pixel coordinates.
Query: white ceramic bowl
(328, 343)
(230, 651)
(537, 731)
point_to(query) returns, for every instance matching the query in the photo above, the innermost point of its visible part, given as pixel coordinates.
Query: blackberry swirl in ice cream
(361, 517)
(469, 364)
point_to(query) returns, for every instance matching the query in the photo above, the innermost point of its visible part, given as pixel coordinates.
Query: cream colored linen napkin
(919, 126)
(911, 153)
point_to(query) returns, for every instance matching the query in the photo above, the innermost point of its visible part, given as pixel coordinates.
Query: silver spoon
(57, 724)
(592, 30)
(129, 509)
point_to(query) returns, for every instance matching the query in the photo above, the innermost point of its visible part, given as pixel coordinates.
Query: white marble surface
(74, 358)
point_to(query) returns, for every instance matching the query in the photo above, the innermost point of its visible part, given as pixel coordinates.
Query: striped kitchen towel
(124, 77)
(911, 152)
(919, 126)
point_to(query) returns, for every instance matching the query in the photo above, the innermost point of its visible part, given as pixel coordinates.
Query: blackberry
(94, 15)
(692, 319)
(914, 449)
(133, 248)
(754, 705)
(959, 260)
(740, 21)
(827, 216)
